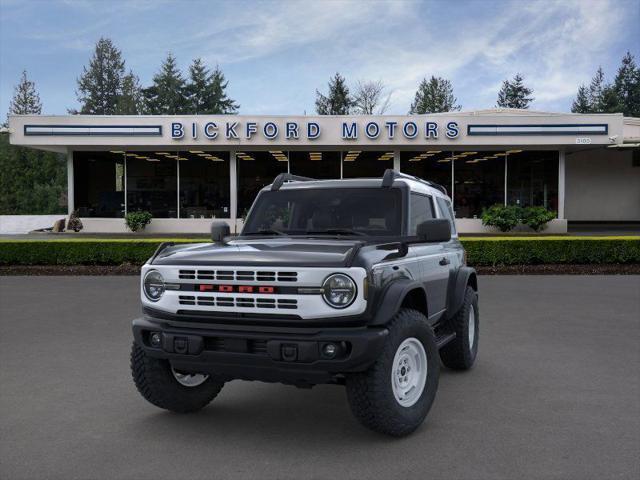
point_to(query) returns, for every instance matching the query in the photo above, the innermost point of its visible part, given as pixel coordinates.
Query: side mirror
(434, 230)
(219, 230)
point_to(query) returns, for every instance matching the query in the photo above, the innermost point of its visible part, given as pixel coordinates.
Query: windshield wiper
(335, 231)
(267, 231)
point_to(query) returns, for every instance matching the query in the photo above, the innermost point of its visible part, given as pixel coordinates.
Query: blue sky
(276, 53)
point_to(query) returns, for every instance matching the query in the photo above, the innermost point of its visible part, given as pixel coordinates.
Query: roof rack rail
(287, 177)
(390, 175)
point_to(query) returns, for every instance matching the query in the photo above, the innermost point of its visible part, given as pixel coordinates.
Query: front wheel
(396, 393)
(163, 386)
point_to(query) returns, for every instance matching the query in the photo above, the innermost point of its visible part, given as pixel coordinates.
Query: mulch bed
(127, 269)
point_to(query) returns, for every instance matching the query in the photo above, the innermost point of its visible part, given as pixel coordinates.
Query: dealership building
(187, 170)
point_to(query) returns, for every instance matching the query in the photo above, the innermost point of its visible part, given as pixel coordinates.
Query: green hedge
(480, 251)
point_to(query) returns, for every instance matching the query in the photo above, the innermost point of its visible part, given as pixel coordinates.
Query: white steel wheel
(472, 326)
(409, 372)
(189, 379)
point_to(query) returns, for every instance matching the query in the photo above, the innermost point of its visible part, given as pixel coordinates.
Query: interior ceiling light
(434, 151)
(500, 154)
(444, 160)
(196, 151)
(162, 153)
(131, 154)
(152, 160)
(141, 157)
(116, 151)
(514, 151)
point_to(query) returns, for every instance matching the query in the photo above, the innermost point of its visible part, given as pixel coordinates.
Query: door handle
(444, 261)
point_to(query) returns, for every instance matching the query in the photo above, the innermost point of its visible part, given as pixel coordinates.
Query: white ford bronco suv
(360, 282)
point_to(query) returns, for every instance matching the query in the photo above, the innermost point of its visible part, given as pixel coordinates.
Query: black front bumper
(287, 355)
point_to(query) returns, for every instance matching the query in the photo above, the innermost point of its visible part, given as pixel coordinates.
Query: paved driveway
(555, 394)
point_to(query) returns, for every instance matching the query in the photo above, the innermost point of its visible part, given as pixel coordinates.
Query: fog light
(329, 350)
(155, 339)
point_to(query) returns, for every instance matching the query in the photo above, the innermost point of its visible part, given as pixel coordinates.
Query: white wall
(25, 223)
(602, 185)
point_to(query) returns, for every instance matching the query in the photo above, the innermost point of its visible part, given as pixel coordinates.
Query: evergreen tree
(434, 95)
(514, 94)
(206, 91)
(100, 85)
(581, 104)
(338, 101)
(219, 102)
(167, 95)
(596, 91)
(25, 99)
(130, 101)
(627, 86)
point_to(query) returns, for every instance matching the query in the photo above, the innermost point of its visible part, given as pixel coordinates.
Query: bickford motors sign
(295, 130)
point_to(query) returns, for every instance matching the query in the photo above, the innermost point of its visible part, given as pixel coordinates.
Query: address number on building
(583, 141)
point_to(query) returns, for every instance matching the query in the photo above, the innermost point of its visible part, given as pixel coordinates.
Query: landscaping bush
(504, 218)
(137, 220)
(536, 217)
(492, 251)
(507, 217)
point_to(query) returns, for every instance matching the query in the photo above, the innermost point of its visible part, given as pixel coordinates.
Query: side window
(447, 211)
(421, 209)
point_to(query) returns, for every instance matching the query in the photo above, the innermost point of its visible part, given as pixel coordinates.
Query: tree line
(33, 181)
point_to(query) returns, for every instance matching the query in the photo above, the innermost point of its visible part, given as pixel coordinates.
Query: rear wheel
(460, 353)
(163, 386)
(396, 393)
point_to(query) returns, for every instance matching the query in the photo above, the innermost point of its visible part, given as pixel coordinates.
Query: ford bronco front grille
(239, 302)
(239, 275)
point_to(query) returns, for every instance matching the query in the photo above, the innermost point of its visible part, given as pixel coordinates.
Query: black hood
(273, 252)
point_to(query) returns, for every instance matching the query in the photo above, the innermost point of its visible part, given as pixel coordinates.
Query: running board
(443, 339)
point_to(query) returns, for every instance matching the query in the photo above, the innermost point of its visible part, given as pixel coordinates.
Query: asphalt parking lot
(555, 394)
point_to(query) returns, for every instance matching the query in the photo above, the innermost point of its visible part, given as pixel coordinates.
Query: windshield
(339, 211)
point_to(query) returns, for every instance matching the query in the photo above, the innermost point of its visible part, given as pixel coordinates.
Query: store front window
(204, 184)
(316, 164)
(366, 164)
(478, 181)
(532, 179)
(431, 165)
(152, 183)
(255, 171)
(99, 184)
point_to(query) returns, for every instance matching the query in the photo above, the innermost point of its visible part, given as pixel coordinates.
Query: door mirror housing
(219, 230)
(434, 230)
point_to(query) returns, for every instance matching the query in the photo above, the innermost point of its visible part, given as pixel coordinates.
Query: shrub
(137, 220)
(74, 223)
(536, 217)
(480, 251)
(503, 217)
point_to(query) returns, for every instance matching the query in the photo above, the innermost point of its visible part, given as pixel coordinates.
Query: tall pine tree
(582, 103)
(627, 86)
(100, 85)
(433, 96)
(167, 94)
(514, 94)
(206, 92)
(25, 99)
(338, 100)
(31, 181)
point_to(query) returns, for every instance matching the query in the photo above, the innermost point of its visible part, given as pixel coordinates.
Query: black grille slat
(225, 275)
(187, 274)
(187, 300)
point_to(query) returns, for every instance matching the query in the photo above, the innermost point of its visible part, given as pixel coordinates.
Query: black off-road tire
(155, 382)
(371, 394)
(459, 354)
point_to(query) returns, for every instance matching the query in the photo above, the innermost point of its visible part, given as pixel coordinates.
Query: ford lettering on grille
(237, 288)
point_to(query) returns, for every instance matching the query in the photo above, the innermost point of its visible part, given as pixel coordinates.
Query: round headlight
(339, 290)
(153, 285)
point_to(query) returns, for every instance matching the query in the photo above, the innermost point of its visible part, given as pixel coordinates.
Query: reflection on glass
(366, 164)
(316, 164)
(532, 179)
(152, 183)
(433, 165)
(478, 180)
(255, 171)
(204, 184)
(99, 184)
